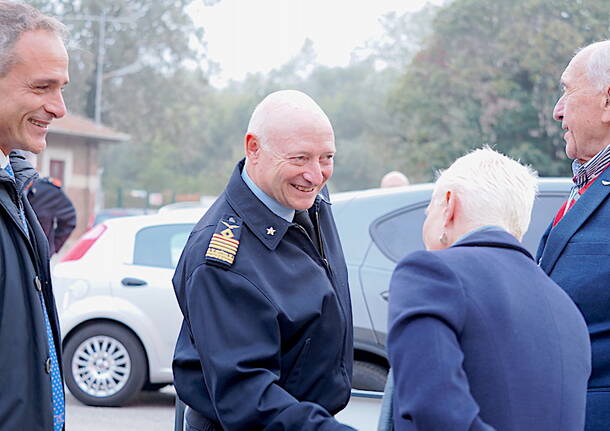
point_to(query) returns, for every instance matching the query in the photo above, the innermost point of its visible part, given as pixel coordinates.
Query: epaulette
(224, 243)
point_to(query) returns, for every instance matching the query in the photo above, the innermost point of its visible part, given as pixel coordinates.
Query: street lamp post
(102, 20)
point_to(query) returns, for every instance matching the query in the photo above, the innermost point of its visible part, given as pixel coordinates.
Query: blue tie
(57, 386)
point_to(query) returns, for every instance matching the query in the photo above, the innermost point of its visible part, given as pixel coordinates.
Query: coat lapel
(560, 235)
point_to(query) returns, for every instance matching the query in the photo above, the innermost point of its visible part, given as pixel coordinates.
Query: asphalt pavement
(149, 411)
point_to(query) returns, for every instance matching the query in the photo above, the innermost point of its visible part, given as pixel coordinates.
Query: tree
(155, 87)
(484, 79)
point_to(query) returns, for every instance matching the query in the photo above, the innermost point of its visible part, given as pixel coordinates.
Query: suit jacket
(576, 255)
(481, 339)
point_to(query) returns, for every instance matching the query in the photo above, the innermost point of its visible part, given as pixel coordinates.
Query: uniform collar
(277, 208)
(267, 226)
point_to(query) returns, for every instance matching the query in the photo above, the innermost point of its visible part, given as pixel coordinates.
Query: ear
(451, 202)
(251, 146)
(606, 106)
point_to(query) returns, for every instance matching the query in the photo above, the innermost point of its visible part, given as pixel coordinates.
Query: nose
(313, 173)
(56, 106)
(558, 110)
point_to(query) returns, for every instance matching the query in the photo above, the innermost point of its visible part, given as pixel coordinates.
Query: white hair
(492, 188)
(598, 64)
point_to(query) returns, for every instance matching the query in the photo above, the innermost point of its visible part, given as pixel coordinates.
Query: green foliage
(441, 81)
(489, 74)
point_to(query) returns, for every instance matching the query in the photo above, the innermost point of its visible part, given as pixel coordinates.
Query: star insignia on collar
(270, 231)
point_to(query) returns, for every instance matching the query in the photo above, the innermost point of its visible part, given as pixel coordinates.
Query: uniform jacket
(266, 342)
(576, 254)
(54, 210)
(25, 386)
(481, 339)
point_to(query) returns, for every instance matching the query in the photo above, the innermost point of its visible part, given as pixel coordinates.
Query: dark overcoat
(25, 385)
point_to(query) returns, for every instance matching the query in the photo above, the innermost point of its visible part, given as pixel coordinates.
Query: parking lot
(149, 411)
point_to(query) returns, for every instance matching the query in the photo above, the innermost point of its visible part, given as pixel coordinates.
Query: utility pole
(102, 20)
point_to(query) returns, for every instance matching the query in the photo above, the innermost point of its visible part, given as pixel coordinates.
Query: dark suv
(380, 226)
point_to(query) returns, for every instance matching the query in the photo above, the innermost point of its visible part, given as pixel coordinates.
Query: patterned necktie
(57, 387)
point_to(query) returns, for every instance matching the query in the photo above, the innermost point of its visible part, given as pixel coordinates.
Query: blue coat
(576, 254)
(266, 342)
(481, 339)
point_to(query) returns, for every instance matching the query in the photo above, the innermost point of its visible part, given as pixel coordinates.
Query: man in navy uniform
(266, 341)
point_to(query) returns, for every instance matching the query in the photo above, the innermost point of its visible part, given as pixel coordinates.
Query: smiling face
(31, 91)
(290, 146)
(294, 162)
(582, 109)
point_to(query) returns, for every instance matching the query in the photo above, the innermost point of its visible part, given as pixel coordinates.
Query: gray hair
(493, 189)
(16, 19)
(598, 64)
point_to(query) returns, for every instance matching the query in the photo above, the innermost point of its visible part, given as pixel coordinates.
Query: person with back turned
(33, 73)
(266, 342)
(480, 337)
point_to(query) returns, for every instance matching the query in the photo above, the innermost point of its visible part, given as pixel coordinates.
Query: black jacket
(25, 386)
(266, 342)
(54, 210)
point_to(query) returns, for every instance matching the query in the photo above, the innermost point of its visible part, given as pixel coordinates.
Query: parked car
(119, 317)
(108, 213)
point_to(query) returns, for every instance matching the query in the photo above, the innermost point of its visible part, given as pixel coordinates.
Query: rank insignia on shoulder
(224, 243)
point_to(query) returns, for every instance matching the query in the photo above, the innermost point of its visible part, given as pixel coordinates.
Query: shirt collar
(480, 229)
(583, 173)
(273, 205)
(4, 160)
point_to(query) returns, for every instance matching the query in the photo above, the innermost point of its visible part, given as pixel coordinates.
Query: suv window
(398, 233)
(162, 245)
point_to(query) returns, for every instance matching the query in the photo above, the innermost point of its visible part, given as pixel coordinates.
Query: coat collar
(492, 238)
(268, 227)
(560, 235)
(24, 172)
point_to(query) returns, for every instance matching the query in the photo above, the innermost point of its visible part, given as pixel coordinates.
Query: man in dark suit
(575, 250)
(480, 338)
(33, 72)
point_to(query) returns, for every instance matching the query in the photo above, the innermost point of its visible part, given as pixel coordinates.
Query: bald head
(597, 57)
(284, 113)
(290, 147)
(394, 179)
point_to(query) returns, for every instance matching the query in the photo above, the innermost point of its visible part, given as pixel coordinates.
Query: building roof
(75, 125)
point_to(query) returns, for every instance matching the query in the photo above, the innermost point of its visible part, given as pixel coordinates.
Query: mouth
(39, 123)
(303, 189)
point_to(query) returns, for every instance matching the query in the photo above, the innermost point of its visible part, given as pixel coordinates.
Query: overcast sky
(259, 35)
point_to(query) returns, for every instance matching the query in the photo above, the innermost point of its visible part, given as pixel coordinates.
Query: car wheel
(369, 376)
(104, 365)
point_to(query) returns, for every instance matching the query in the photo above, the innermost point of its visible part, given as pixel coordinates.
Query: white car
(118, 313)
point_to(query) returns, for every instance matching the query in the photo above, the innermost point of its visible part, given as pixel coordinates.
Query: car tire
(104, 365)
(369, 376)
